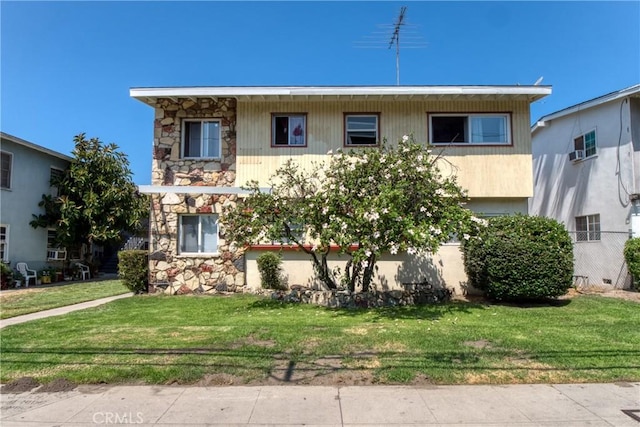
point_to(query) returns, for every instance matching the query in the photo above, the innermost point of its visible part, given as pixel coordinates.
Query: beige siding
(486, 171)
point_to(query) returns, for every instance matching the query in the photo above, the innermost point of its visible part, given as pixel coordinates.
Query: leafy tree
(366, 202)
(97, 198)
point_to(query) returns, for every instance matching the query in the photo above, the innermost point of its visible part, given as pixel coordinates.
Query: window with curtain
(201, 139)
(198, 234)
(288, 130)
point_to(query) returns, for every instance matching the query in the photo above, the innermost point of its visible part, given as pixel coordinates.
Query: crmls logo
(117, 418)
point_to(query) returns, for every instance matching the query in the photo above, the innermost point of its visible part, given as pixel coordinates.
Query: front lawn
(245, 339)
(31, 300)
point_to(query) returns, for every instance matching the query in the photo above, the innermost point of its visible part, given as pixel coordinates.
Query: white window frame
(582, 139)
(199, 252)
(347, 130)
(10, 176)
(592, 233)
(468, 139)
(292, 139)
(183, 144)
(4, 252)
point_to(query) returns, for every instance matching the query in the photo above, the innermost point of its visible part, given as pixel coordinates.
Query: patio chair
(23, 269)
(84, 271)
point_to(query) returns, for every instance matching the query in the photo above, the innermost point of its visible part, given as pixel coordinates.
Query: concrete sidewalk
(514, 405)
(60, 310)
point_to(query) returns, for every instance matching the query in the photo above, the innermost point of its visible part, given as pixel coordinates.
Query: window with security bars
(588, 228)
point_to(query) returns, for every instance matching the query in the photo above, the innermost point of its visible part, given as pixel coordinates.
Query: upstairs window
(588, 228)
(199, 234)
(288, 130)
(469, 129)
(361, 129)
(586, 143)
(201, 139)
(6, 160)
(55, 175)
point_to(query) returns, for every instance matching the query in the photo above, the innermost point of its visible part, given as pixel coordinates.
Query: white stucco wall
(29, 181)
(601, 184)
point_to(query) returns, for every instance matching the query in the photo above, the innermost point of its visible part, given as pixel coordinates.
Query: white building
(586, 166)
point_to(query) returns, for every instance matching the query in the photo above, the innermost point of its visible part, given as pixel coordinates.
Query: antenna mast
(395, 39)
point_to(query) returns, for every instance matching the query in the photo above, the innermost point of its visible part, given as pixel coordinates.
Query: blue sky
(66, 67)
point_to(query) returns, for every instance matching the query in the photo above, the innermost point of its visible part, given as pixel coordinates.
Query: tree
(365, 202)
(97, 199)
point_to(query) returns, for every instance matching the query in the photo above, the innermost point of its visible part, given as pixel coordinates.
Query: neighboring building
(26, 171)
(586, 160)
(209, 141)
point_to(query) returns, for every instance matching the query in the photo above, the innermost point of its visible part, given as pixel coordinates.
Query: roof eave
(35, 147)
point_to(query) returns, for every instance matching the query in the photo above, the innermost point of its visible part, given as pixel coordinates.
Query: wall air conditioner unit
(576, 156)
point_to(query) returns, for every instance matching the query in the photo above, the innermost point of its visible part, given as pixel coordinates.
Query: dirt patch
(624, 294)
(57, 385)
(20, 385)
(478, 344)
(219, 380)
(253, 341)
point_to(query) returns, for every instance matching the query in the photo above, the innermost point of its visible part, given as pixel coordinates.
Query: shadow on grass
(428, 312)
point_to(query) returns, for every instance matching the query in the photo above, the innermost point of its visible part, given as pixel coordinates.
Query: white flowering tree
(362, 203)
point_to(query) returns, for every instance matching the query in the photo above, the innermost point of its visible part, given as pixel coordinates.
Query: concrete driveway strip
(60, 310)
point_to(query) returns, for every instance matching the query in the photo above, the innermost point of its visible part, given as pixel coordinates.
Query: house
(26, 172)
(586, 160)
(209, 141)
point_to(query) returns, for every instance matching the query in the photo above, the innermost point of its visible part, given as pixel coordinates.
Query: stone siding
(170, 271)
(168, 167)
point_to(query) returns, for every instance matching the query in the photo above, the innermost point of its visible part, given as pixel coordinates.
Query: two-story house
(26, 171)
(209, 141)
(585, 159)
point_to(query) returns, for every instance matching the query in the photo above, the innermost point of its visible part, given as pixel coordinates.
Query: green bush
(133, 269)
(632, 257)
(269, 266)
(520, 258)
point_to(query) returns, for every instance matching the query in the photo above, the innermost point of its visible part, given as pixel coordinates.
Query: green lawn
(30, 300)
(160, 340)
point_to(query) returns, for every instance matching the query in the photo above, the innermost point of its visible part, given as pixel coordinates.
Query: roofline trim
(36, 147)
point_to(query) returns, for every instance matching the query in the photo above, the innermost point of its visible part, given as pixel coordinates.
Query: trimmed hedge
(632, 257)
(269, 266)
(520, 258)
(133, 270)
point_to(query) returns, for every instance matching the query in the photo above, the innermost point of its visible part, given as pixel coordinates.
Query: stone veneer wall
(170, 271)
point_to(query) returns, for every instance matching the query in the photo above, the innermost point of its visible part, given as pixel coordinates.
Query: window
(288, 130)
(4, 243)
(297, 232)
(361, 129)
(201, 139)
(55, 175)
(6, 160)
(469, 129)
(199, 234)
(587, 143)
(588, 228)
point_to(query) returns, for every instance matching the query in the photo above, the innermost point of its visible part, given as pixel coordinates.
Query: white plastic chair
(23, 269)
(84, 271)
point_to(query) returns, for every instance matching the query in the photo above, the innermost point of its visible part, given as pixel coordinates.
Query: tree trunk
(368, 273)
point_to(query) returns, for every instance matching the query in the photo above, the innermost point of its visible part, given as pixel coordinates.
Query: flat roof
(33, 146)
(149, 95)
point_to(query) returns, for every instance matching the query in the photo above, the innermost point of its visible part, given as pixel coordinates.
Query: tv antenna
(395, 39)
(390, 36)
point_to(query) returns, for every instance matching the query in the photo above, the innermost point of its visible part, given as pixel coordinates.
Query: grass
(31, 300)
(183, 339)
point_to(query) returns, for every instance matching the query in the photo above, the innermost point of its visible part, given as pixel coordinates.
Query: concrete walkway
(515, 405)
(60, 310)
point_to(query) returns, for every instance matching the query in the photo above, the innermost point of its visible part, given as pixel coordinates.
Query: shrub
(133, 270)
(269, 266)
(519, 258)
(632, 257)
